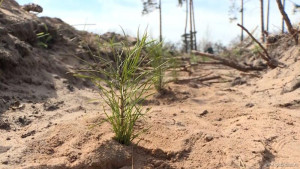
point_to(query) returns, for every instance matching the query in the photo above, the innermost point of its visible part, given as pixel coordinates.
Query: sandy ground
(201, 125)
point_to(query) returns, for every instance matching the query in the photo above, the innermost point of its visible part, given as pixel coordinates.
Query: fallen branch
(208, 63)
(270, 61)
(248, 37)
(229, 63)
(292, 31)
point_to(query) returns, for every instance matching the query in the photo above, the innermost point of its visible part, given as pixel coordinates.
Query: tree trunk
(242, 19)
(160, 22)
(185, 29)
(262, 20)
(194, 27)
(268, 15)
(191, 26)
(283, 5)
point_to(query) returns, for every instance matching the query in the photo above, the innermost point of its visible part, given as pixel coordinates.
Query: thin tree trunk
(194, 27)
(191, 26)
(262, 20)
(160, 22)
(268, 15)
(242, 20)
(283, 5)
(185, 29)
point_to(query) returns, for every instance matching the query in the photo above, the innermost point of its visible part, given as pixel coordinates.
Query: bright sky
(212, 17)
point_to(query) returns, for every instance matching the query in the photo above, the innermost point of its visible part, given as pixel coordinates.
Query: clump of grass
(44, 38)
(124, 85)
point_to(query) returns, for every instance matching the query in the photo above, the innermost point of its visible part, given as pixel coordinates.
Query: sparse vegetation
(158, 59)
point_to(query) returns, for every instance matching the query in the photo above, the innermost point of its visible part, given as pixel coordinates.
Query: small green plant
(123, 86)
(174, 63)
(44, 38)
(155, 51)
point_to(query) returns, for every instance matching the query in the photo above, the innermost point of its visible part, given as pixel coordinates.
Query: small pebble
(209, 138)
(5, 162)
(249, 105)
(219, 119)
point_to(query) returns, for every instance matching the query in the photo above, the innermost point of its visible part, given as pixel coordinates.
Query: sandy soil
(203, 125)
(51, 120)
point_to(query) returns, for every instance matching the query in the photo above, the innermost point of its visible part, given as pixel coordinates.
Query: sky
(211, 17)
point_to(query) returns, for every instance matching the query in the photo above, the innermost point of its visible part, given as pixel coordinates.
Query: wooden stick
(270, 61)
(199, 79)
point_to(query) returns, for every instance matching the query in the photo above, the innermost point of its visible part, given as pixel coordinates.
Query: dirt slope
(48, 120)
